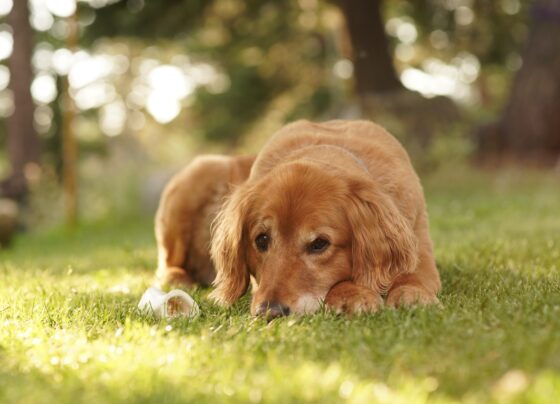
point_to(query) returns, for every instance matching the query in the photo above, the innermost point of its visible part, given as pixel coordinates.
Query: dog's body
(188, 205)
(331, 212)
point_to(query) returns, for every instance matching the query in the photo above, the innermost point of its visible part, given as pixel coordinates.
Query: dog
(332, 213)
(187, 207)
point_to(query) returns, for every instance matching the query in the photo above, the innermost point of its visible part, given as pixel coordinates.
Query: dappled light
(137, 157)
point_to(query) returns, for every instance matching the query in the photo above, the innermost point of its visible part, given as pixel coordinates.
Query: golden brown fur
(331, 212)
(187, 207)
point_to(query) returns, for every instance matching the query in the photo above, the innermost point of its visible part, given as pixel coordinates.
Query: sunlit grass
(69, 330)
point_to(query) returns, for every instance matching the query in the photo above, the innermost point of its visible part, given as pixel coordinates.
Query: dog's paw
(409, 295)
(349, 298)
(174, 277)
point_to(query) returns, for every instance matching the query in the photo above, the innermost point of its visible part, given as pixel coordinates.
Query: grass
(69, 330)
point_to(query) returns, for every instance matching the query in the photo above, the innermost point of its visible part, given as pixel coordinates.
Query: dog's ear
(228, 255)
(383, 244)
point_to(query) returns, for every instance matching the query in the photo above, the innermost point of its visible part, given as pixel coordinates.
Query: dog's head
(300, 230)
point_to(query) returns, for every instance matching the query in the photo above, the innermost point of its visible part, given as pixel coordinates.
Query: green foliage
(145, 19)
(69, 330)
(227, 115)
(497, 30)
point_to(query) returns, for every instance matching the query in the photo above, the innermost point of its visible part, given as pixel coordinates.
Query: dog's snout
(272, 310)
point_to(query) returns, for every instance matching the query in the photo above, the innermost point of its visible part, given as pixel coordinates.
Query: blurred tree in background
(373, 62)
(530, 124)
(22, 143)
(156, 82)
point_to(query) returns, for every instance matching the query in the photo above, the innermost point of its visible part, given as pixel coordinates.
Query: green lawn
(69, 331)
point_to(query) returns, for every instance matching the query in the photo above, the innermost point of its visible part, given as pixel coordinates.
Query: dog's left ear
(384, 244)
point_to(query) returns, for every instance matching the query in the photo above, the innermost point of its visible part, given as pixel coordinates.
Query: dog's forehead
(300, 204)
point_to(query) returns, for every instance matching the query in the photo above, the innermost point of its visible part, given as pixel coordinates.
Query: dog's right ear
(228, 255)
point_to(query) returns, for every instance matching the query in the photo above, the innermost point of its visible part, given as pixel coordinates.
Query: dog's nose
(271, 310)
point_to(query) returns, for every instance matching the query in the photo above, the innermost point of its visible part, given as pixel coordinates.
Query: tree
(22, 140)
(530, 123)
(373, 63)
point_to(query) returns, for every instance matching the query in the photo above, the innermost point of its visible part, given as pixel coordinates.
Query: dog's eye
(318, 245)
(262, 241)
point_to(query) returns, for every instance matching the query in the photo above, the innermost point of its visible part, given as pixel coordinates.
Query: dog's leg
(422, 285)
(172, 251)
(182, 225)
(348, 297)
(174, 229)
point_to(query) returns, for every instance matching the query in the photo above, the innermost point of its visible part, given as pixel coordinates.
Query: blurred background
(102, 100)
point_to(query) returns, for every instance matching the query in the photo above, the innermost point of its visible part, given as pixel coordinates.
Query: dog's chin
(308, 303)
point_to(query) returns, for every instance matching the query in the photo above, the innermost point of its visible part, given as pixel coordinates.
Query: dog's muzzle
(272, 310)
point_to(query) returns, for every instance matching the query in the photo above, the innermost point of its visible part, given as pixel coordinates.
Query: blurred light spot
(87, 17)
(43, 88)
(406, 32)
(5, 7)
(41, 19)
(514, 61)
(343, 69)
(514, 381)
(255, 395)
(88, 69)
(452, 4)
(162, 107)
(510, 7)
(94, 95)
(392, 24)
(439, 39)
(138, 96)
(61, 8)
(122, 289)
(252, 56)
(308, 20)
(60, 29)
(120, 64)
(464, 15)
(171, 81)
(42, 118)
(182, 61)
(143, 66)
(469, 66)
(202, 73)
(4, 77)
(42, 56)
(136, 120)
(431, 384)
(330, 19)
(6, 44)
(404, 52)
(308, 4)
(219, 85)
(62, 61)
(6, 103)
(436, 78)
(112, 118)
(346, 389)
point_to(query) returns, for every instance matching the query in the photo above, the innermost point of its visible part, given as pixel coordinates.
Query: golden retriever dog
(331, 212)
(187, 207)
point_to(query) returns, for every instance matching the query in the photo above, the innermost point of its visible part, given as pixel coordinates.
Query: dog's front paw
(408, 295)
(347, 297)
(174, 277)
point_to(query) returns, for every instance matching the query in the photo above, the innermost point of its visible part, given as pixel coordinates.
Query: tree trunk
(22, 141)
(529, 127)
(373, 64)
